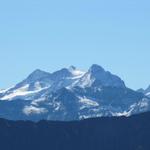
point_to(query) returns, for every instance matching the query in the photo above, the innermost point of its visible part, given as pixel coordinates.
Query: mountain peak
(71, 68)
(96, 68)
(37, 71)
(147, 91)
(38, 74)
(97, 76)
(148, 88)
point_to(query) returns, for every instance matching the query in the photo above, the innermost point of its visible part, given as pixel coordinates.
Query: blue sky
(50, 35)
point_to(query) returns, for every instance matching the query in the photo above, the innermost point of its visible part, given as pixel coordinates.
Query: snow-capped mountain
(38, 81)
(71, 94)
(97, 76)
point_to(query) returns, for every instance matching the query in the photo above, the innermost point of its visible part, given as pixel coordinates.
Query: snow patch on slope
(119, 114)
(86, 103)
(37, 86)
(148, 94)
(29, 110)
(5, 90)
(76, 73)
(86, 81)
(36, 102)
(23, 91)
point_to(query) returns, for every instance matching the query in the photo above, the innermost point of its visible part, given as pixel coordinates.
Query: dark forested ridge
(122, 133)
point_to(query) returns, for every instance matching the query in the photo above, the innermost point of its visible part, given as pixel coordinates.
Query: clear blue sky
(50, 35)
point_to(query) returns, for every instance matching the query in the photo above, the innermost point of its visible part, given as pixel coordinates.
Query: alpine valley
(70, 94)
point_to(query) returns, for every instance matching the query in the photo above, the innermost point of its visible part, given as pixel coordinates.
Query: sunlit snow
(33, 110)
(21, 92)
(87, 102)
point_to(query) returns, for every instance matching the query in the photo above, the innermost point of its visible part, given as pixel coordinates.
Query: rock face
(121, 133)
(71, 94)
(146, 91)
